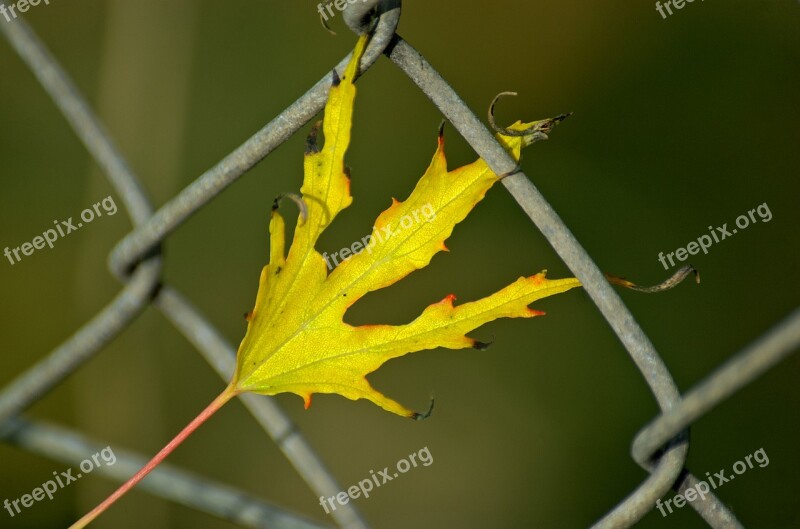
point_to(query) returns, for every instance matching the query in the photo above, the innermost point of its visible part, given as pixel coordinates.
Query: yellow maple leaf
(296, 338)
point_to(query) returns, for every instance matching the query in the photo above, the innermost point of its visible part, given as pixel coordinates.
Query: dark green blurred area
(679, 124)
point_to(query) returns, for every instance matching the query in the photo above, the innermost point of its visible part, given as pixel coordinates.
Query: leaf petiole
(210, 410)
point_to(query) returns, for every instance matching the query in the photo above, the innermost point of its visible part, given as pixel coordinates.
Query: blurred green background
(679, 124)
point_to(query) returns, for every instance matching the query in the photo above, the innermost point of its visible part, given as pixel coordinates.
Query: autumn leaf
(296, 338)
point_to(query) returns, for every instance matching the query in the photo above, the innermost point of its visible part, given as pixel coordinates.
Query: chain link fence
(660, 447)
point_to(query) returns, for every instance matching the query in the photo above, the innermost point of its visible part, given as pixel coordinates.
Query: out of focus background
(680, 123)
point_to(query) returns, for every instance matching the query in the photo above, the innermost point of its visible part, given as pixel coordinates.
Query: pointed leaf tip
(422, 416)
(481, 346)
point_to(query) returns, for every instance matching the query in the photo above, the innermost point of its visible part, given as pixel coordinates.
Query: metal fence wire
(660, 447)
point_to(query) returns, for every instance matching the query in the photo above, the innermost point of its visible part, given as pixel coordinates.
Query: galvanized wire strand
(359, 16)
(208, 185)
(222, 357)
(129, 303)
(768, 350)
(622, 322)
(715, 513)
(710, 508)
(561, 239)
(166, 481)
